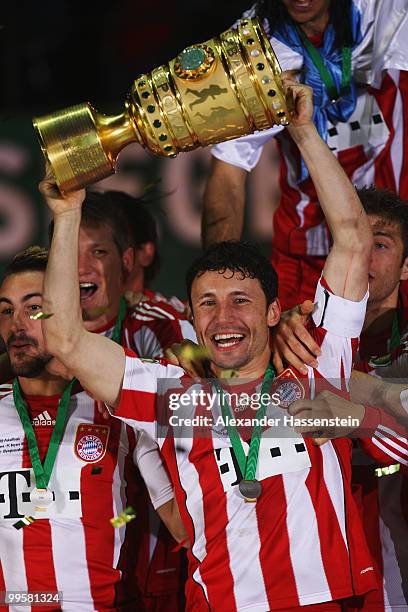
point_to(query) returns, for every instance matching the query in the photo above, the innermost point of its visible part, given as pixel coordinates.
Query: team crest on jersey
(91, 442)
(288, 387)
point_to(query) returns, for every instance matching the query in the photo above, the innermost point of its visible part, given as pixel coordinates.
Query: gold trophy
(226, 87)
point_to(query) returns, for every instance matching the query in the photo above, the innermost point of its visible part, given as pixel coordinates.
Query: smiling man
(267, 535)
(58, 498)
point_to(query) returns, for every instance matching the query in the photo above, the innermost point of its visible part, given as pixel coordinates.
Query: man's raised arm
(346, 268)
(96, 361)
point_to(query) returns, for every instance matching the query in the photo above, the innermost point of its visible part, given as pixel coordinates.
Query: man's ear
(273, 314)
(144, 254)
(128, 261)
(189, 313)
(404, 270)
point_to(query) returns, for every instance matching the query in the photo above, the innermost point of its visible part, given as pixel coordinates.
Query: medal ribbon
(246, 464)
(326, 77)
(395, 339)
(117, 330)
(43, 472)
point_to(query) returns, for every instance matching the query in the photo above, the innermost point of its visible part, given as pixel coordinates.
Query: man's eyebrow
(4, 299)
(212, 293)
(31, 295)
(383, 233)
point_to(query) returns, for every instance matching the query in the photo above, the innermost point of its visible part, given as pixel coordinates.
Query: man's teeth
(87, 285)
(222, 339)
(227, 336)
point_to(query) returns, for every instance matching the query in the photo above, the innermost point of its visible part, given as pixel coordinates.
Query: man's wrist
(303, 133)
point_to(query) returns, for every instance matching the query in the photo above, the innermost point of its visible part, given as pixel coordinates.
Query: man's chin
(230, 362)
(29, 368)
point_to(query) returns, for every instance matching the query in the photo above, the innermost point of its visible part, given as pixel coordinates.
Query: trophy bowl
(226, 87)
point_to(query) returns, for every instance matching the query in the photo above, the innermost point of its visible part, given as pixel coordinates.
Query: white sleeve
(336, 325)
(148, 459)
(244, 152)
(384, 25)
(337, 315)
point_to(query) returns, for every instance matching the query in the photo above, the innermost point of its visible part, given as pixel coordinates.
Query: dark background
(54, 53)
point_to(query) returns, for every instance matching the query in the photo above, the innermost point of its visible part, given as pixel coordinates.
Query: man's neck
(380, 315)
(252, 371)
(316, 26)
(44, 385)
(96, 325)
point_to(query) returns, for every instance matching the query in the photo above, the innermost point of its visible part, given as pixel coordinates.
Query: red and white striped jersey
(371, 146)
(74, 548)
(383, 501)
(302, 542)
(151, 327)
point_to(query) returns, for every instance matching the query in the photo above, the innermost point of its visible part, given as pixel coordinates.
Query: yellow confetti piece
(135, 297)
(387, 470)
(98, 311)
(124, 517)
(229, 374)
(194, 351)
(41, 315)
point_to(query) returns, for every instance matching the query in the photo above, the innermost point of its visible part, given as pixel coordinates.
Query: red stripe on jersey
(127, 590)
(388, 448)
(37, 540)
(365, 493)
(403, 88)
(2, 588)
(97, 507)
(384, 171)
(330, 534)
(275, 545)
(220, 592)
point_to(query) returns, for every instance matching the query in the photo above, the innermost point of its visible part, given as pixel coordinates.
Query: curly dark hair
(275, 13)
(235, 256)
(389, 207)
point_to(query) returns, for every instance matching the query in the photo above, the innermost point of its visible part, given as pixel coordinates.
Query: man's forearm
(341, 206)
(61, 288)
(382, 394)
(224, 203)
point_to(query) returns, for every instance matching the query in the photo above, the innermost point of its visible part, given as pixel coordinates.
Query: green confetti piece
(41, 315)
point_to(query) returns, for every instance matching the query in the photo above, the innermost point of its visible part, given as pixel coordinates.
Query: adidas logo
(43, 420)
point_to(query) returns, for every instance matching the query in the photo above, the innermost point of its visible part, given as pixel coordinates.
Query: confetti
(229, 374)
(97, 469)
(27, 520)
(194, 351)
(98, 311)
(135, 297)
(40, 315)
(124, 517)
(386, 471)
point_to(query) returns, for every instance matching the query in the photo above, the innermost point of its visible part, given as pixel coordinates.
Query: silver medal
(41, 499)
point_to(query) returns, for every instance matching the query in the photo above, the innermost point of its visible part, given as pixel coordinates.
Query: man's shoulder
(6, 393)
(152, 311)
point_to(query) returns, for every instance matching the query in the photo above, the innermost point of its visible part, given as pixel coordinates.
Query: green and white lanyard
(326, 77)
(41, 496)
(249, 487)
(117, 330)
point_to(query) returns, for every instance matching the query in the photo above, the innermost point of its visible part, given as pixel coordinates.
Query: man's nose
(19, 322)
(83, 263)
